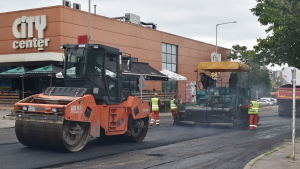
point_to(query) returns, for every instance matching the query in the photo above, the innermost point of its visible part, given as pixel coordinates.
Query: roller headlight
(54, 109)
(24, 108)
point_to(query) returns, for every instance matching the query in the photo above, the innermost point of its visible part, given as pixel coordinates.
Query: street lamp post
(217, 34)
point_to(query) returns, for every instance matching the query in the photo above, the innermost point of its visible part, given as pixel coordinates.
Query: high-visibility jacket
(173, 105)
(155, 106)
(254, 109)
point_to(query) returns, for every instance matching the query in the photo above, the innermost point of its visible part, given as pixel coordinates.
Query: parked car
(264, 103)
(270, 99)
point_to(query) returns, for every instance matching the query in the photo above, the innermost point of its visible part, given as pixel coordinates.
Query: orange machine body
(112, 118)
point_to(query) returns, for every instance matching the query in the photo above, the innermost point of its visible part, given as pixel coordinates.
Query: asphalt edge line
(7, 127)
(9, 117)
(253, 161)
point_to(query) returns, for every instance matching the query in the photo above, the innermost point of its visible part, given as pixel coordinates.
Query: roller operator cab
(93, 103)
(217, 102)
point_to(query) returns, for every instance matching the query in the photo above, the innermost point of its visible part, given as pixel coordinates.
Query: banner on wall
(190, 90)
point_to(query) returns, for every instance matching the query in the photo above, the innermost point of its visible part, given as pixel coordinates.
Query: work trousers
(154, 113)
(253, 122)
(173, 114)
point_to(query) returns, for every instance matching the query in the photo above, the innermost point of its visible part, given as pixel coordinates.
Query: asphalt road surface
(165, 146)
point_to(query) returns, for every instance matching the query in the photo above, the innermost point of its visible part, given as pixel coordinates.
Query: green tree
(282, 45)
(259, 77)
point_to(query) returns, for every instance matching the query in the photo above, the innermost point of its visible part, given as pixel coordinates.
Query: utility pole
(89, 36)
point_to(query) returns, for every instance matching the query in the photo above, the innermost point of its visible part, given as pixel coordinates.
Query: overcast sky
(195, 19)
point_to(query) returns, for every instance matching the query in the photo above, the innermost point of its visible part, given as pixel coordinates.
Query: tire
(75, 142)
(138, 133)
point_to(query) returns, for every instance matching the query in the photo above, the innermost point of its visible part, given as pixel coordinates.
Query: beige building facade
(33, 37)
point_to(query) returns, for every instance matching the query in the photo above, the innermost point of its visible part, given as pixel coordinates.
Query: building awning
(137, 69)
(49, 70)
(14, 73)
(173, 76)
(223, 66)
(144, 69)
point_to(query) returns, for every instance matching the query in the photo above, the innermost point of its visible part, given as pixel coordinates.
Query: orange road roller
(93, 103)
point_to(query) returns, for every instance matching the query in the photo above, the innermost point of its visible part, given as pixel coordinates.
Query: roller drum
(52, 135)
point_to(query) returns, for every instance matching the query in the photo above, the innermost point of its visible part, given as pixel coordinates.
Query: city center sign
(40, 23)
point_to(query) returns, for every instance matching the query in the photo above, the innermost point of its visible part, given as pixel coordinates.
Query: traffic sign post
(141, 85)
(142, 78)
(294, 80)
(294, 110)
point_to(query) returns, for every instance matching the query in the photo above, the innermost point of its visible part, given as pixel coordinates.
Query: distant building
(276, 77)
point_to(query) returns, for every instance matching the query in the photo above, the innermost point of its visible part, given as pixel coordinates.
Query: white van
(270, 99)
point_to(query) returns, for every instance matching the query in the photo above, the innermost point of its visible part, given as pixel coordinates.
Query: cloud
(195, 19)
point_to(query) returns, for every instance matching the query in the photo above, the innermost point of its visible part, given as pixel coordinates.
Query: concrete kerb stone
(253, 161)
(9, 117)
(6, 108)
(268, 108)
(169, 114)
(164, 115)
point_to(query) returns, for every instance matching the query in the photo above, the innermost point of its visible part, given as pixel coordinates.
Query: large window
(169, 57)
(169, 62)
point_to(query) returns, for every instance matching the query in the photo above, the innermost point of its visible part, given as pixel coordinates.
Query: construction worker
(253, 110)
(173, 105)
(155, 104)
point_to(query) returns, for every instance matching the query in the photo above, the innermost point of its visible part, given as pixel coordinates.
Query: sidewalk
(6, 123)
(166, 114)
(280, 157)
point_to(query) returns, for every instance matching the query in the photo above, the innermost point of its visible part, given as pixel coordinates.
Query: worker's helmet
(155, 94)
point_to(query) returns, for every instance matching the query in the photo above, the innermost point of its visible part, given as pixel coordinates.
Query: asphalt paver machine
(92, 104)
(217, 104)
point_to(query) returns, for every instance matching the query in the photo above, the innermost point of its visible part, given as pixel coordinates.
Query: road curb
(253, 161)
(6, 108)
(248, 165)
(9, 117)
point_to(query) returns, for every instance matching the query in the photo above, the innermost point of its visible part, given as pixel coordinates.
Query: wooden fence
(9, 99)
